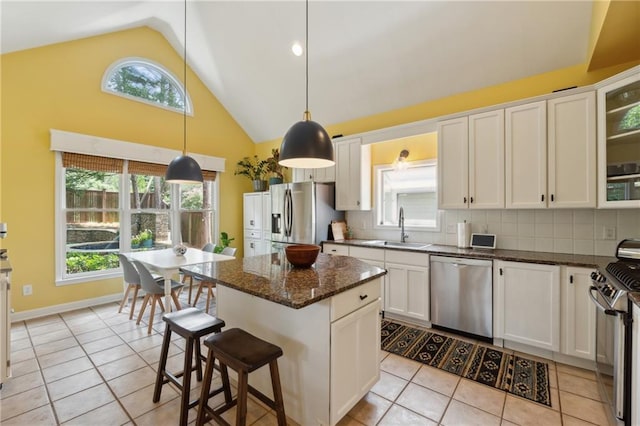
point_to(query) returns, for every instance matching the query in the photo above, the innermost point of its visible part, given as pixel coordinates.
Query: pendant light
(306, 145)
(184, 169)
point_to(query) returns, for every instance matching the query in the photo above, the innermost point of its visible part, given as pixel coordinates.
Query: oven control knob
(598, 277)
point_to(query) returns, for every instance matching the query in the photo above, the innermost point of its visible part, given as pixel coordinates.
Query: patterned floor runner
(514, 374)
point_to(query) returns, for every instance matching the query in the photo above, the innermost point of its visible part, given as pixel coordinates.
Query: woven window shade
(149, 169)
(92, 162)
(209, 175)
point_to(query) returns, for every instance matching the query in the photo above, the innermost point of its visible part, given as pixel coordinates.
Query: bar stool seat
(192, 324)
(243, 353)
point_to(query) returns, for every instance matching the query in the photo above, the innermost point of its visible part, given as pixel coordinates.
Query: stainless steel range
(613, 327)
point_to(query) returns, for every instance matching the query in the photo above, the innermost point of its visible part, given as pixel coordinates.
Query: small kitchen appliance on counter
(613, 355)
(464, 234)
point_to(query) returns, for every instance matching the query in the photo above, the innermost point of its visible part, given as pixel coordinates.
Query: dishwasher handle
(461, 261)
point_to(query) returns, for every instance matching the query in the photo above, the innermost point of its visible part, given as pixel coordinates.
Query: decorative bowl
(179, 249)
(302, 255)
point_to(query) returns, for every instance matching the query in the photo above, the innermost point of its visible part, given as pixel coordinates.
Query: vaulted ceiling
(365, 57)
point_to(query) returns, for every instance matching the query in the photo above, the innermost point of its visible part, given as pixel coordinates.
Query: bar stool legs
(190, 323)
(244, 353)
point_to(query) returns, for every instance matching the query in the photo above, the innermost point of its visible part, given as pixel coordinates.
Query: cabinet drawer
(367, 253)
(344, 303)
(248, 233)
(335, 249)
(406, 257)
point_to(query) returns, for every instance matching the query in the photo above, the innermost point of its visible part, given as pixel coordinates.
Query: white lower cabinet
(578, 318)
(340, 249)
(527, 303)
(373, 257)
(407, 284)
(355, 363)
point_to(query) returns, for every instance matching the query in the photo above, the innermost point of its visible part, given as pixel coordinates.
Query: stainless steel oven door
(609, 354)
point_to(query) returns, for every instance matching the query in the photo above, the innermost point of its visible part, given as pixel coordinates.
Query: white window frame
(62, 141)
(161, 69)
(377, 190)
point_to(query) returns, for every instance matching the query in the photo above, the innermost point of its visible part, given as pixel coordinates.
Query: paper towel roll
(464, 235)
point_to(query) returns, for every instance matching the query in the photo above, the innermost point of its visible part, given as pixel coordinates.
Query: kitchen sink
(396, 244)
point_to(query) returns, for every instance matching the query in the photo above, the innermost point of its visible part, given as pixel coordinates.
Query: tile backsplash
(577, 231)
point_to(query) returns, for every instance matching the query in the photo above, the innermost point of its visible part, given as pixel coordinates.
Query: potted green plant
(224, 242)
(135, 242)
(146, 238)
(275, 168)
(254, 169)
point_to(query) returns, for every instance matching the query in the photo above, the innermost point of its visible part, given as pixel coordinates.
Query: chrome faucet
(403, 236)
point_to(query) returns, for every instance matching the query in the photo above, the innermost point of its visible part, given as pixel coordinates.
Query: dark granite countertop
(580, 260)
(272, 277)
(5, 266)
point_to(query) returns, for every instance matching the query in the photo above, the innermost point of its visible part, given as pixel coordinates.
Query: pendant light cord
(184, 84)
(306, 41)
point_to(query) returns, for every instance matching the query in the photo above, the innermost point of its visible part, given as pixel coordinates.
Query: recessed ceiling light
(296, 48)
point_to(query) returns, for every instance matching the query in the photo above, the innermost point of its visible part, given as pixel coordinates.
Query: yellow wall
(58, 86)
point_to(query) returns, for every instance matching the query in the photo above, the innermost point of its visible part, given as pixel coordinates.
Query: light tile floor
(94, 366)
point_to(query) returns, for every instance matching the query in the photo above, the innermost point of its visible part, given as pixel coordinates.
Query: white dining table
(166, 263)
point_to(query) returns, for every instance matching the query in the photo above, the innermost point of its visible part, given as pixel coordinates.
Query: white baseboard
(64, 307)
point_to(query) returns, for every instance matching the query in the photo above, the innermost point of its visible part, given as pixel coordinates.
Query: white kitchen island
(325, 318)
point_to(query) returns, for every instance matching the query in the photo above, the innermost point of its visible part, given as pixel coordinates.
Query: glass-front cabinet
(619, 142)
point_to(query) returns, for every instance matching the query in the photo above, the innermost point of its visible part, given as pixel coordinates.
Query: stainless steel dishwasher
(462, 295)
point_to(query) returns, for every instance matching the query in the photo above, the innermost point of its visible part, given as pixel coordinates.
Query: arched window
(146, 81)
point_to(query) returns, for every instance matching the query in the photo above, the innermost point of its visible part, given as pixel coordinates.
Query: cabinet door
(486, 160)
(453, 172)
(619, 142)
(302, 175)
(252, 210)
(529, 300)
(5, 327)
(407, 291)
(251, 247)
(355, 367)
(578, 320)
(353, 175)
(572, 151)
(526, 156)
(395, 287)
(340, 249)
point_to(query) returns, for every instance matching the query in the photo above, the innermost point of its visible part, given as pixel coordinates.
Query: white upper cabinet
(471, 161)
(453, 172)
(353, 175)
(486, 160)
(526, 156)
(571, 148)
(325, 174)
(619, 142)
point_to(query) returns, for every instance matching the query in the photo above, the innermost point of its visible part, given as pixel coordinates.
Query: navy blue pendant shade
(183, 169)
(306, 145)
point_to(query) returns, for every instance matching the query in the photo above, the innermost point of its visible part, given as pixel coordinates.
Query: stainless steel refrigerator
(301, 213)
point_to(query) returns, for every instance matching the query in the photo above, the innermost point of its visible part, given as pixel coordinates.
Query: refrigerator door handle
(288, 213)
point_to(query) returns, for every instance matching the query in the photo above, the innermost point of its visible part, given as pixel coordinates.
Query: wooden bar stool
(244, 353)
(192, 324)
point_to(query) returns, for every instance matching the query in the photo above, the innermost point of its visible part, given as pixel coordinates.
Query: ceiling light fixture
(306, 145)
(184, 169)
(401, 162)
